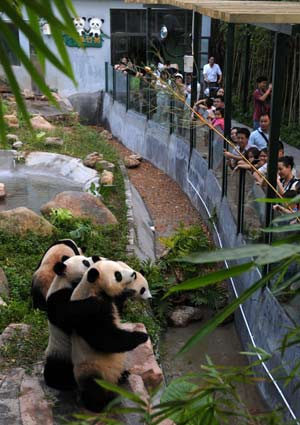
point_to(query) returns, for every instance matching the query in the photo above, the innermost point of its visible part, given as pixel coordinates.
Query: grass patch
(19, 256)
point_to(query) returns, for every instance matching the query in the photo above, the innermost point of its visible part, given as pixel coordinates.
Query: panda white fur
(44, 273)
(58, 370)
(79, 23)
(140, 284)
(95, 27)
(98, 342)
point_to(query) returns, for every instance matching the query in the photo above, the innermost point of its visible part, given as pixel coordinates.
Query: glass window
(118, 21)
(204, 45)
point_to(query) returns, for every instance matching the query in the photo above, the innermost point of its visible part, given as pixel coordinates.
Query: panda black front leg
(58, 374)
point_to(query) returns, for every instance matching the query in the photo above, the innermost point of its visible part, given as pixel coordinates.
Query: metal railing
(159, 105)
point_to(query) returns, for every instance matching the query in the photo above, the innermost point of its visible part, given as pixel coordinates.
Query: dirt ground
(167, 204)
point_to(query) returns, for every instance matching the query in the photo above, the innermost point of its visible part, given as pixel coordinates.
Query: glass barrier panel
(161, 105)
(121, 87)
(110, 71)
(135, 94)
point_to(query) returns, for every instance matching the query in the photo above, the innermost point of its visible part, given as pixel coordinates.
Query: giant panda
(58, 370)
(98, 341)
(95, 27)
(44, 273)
(138, 288)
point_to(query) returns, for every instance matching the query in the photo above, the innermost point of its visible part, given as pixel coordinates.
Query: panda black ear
(92, 275)
(59, 268)
(102, 20)
(142, 272)
(83, 18)
(96, 258)
(64, 258)
(89, 19)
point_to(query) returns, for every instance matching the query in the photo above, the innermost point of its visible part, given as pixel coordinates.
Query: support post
(127, 92)
(278, 82)
(241, 202)
(197, 19)
(246, 70)
(114, 84)
(210, 149)
(171, 114)
(148, 34)
(228, 98)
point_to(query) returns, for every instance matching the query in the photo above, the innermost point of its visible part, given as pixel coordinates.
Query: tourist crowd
(248, 150)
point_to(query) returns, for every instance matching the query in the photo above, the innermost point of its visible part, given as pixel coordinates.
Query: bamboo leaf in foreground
(121, 391)
(222, 315)
(200, 282)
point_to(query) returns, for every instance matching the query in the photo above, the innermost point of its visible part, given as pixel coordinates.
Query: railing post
(114, 84)
(228, 99)
(106, 77)
(171, 115)
(241, 201)
(210, 149)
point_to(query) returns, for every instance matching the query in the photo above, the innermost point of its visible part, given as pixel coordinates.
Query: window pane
(118, 21)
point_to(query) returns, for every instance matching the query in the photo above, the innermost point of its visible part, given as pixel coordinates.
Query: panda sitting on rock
(95, 27)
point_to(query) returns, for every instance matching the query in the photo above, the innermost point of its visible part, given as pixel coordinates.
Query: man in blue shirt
(260, 137)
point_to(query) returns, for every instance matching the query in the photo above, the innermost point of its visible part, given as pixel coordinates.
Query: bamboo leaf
(121, 391)
(200, 282)
(294, 200)
(286, 217)
(281, 229)
(278, 253)
(222, 315)
(244, 251)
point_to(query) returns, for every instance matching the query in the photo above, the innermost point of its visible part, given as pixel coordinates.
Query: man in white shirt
(260, 137)
(212, 73)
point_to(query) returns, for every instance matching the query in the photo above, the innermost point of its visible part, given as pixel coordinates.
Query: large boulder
(141, 361)
(83, 205)
(22, 220)
(181, 316)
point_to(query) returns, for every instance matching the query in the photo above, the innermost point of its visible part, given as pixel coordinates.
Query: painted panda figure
(79, 23)
(95, 27)
(58, 370)
(98, 342)
(44, 273)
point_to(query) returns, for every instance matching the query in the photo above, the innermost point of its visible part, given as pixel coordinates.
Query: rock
(81, 204)
(2, 191)
(131, 162)
(17, 145)
(41, 123)
(136, 157)
(3, 284)
(106, 165)
(137, 386)
(182, 315)
(92, 159)
(107, 178)
(28, 94)
(21, 220)
(106, 134)
(11, 120)
(34, 408)
(2, 303)
(44, 98)
(56, 141)
(12, 137)
(14, 328)
(141, 361)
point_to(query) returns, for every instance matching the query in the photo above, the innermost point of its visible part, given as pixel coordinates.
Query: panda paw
(140, 337)
(124, 377)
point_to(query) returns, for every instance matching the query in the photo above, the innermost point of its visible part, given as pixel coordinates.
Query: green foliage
(61, 217)
(215, 401)
(59, 16)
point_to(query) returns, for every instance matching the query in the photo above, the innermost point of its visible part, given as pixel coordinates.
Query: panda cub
(58, 371)
(98, 342)
(44, 273)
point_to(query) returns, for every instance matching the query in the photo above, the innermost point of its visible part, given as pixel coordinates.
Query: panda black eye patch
(86, 263)
(118, 276)
(142, 290)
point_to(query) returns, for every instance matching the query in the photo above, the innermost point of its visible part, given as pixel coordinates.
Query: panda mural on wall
(95, 25)
(79, 23)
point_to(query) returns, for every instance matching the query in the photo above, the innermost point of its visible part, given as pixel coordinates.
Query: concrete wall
(261, 320)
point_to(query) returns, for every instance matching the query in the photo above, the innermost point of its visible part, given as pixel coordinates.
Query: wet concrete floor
(222, 346)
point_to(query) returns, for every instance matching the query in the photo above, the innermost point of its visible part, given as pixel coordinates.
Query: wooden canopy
(238, 11)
